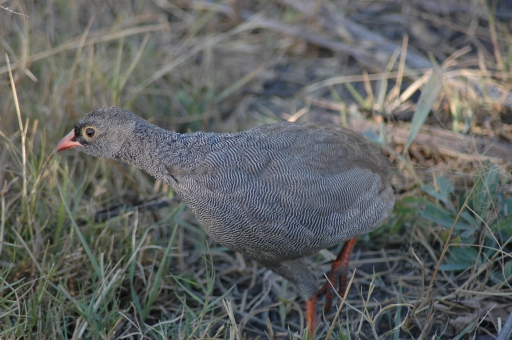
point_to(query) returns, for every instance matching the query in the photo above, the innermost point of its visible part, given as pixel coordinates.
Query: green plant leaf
(153, 291)
(445, 187)
(466, 216)
(415, 201)
(360, 100)
(444, 192)
(443, 217)
(427, 99)
(465, 255)
(442, 195)
(506, 207)
(450, 267)
(461, 259)
(87, 249)
(503, 226)
(507, 270)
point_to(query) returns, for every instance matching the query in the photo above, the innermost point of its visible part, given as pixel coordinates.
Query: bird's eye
(89, 132)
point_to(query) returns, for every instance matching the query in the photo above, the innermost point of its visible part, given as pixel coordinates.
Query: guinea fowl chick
(276, 193)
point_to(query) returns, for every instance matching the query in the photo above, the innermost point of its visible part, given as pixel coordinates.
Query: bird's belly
(262, 228)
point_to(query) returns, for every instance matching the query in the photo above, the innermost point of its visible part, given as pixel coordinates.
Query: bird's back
(287, 190)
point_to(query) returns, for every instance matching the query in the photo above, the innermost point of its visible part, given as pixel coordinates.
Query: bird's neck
(156, 150)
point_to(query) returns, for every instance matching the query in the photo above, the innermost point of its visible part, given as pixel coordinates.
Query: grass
(438, 268)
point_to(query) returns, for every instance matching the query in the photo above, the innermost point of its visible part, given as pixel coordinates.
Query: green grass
(155, 274)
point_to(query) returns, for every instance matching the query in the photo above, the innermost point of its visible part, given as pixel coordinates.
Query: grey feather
(276, 193)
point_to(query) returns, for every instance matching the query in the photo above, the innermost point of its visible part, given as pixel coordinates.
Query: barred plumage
(276, 193)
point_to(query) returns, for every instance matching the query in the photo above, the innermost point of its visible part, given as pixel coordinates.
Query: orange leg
(337, 277)
(311, 314)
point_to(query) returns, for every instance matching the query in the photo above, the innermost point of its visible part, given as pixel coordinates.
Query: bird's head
(101, 132)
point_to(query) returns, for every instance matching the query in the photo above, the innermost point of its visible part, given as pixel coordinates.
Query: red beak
(67, 142)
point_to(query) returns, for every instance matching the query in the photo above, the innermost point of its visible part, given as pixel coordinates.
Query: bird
(276, 193)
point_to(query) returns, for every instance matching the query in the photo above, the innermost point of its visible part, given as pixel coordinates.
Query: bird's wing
(309, 187)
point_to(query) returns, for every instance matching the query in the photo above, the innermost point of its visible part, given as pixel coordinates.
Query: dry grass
(439, 267)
